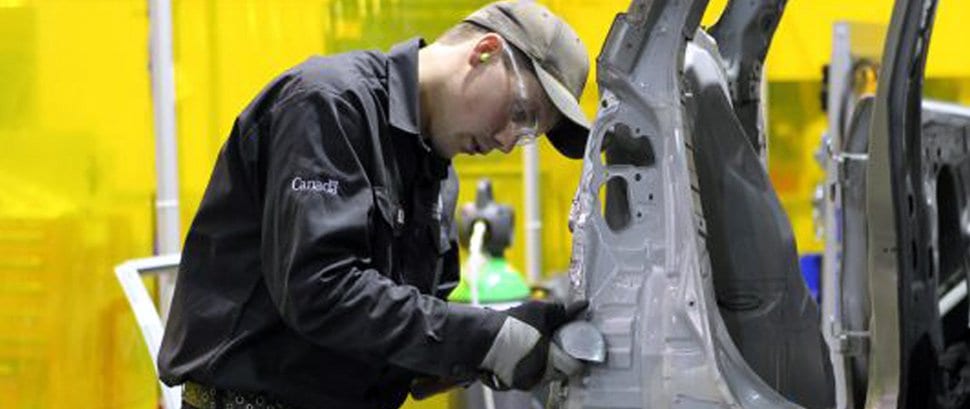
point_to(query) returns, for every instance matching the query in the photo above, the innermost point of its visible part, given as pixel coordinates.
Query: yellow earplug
(483, 57)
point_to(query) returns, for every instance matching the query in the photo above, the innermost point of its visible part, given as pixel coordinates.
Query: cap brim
(570, 134)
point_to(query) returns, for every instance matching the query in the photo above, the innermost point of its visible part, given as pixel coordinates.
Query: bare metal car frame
(682, 249)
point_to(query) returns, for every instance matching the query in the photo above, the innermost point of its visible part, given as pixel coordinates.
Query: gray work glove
(521, 354)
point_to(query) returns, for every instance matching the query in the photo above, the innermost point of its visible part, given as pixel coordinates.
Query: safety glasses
(523, 115)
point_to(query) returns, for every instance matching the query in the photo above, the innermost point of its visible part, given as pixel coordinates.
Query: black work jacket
(315, 268)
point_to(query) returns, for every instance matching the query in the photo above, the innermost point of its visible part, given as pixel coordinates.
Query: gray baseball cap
(558, 57)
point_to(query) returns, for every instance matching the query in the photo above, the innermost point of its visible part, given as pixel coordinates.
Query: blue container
(811, 264)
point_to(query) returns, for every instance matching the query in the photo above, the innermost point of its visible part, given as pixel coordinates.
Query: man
(314, 273)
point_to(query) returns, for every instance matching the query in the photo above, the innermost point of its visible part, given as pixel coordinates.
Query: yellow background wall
(77, 170)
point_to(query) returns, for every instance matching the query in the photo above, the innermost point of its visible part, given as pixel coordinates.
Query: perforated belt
(207, 397)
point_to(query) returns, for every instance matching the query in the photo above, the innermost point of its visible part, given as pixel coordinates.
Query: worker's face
(497, 103)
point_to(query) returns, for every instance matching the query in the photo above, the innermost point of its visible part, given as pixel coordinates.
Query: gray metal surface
(639, 255)
(760, 292)
(904, 343)
(945, 176)
(743, 34)
(762, 296)
(856, 52)
(944, 163)
(931, 153)
(946, 181)
(854, 278)
(944, 170)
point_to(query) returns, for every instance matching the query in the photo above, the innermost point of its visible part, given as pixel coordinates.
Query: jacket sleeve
(316, 252)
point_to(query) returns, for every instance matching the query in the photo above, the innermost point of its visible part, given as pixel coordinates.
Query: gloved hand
(521, 354)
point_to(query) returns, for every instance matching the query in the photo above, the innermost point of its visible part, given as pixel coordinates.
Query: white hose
(476, 261)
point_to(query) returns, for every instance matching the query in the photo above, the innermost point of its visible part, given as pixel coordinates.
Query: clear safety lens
(523, 118)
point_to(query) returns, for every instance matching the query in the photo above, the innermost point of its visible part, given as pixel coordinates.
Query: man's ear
(486, 50)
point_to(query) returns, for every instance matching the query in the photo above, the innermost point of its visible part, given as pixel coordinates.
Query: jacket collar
(402, 74)
(404, 103)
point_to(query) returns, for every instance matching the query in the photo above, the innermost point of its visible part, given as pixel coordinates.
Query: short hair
(461, 32)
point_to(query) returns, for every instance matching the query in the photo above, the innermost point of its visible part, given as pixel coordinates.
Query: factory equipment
(896, 250)
(687, 260)
(485, 230)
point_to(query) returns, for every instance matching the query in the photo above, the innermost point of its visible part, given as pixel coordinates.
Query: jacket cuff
(472, 331)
